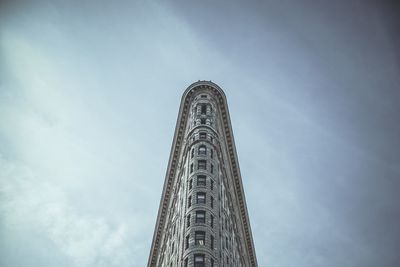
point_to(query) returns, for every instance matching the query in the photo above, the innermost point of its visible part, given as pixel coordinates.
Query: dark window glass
(212, 202)
(212, 263)
(202, 150)
(212, 242)
(201, 198)
(186, 262)
(202, 121)
(191, 168)
(200, 216)
(199, 238)
(203, 109)
(199, 260)
(212, 168)
(188, 220)
(190, 201)
(201, 180)
(212, 153)
(192, 153)
(203, 96)
(190, 184)
(187, 241)
(202, 165)
(212, 222)
(203, 136)
(212, 185)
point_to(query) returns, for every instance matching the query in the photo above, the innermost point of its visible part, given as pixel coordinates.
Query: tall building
(202, 219)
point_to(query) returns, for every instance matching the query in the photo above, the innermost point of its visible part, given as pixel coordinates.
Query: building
(202, 218)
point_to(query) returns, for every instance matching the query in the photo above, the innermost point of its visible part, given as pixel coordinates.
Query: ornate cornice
(173, 167)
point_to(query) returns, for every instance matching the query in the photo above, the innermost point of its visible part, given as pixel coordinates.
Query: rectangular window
(202, 121)
(203, 109)
(212, 243)
(203, 135)
(190, 184)
(189, 201)
(186, 262)
(202, 165)
(199, 238)
(199, 260)
(203, 96)
(212, 168)
(200, 216)
(212, 185)
(212, 202)
(201, 198)
(201, 180)
(212, 153)
(192, 153)
(191, 168)
(187, 241)
(188, 221)
(212, 221)
(202, 150)
(212, 263)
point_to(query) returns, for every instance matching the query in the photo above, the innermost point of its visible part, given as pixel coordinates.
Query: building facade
(202, 218)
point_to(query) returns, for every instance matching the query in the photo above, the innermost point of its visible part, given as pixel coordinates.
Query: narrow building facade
(202, 219)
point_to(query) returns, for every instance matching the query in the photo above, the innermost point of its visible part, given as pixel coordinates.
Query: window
(191, 168)
(190, 184)
(202, 165)
(212, 263)
(188, 220)
(203, 135)
(202, 121)
(203, 109)
(202, 150)
(189, 201)
(192, 153)
(212, 243)
(203, 96)
(212, 202)
(212, 168)
(212, 153)
(212, 221)
(186, 262)
(199, 238)
(200, 216)
(187, 241)
(201, 180)
(199, 260)
(212, 185)
(201, 198)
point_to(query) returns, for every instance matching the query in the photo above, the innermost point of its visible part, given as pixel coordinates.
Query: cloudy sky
(89, 95)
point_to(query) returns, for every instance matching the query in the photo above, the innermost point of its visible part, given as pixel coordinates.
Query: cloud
(44, 208)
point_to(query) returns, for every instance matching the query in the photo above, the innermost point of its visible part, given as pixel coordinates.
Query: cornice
(172, 168)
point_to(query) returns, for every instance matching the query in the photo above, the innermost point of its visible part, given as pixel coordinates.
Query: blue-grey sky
(89, 95)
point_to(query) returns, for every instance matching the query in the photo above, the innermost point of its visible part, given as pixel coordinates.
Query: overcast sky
(89, 96)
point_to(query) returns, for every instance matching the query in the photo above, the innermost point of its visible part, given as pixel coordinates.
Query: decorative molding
(173, 165)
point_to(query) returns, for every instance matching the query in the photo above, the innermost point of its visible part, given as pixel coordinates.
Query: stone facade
(202, 219)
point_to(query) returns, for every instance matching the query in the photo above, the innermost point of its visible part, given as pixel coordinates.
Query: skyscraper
(202, 218)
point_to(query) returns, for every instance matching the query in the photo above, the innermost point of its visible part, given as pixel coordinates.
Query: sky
(89, 96)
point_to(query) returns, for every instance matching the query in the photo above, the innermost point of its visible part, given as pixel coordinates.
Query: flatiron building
(202, 219)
